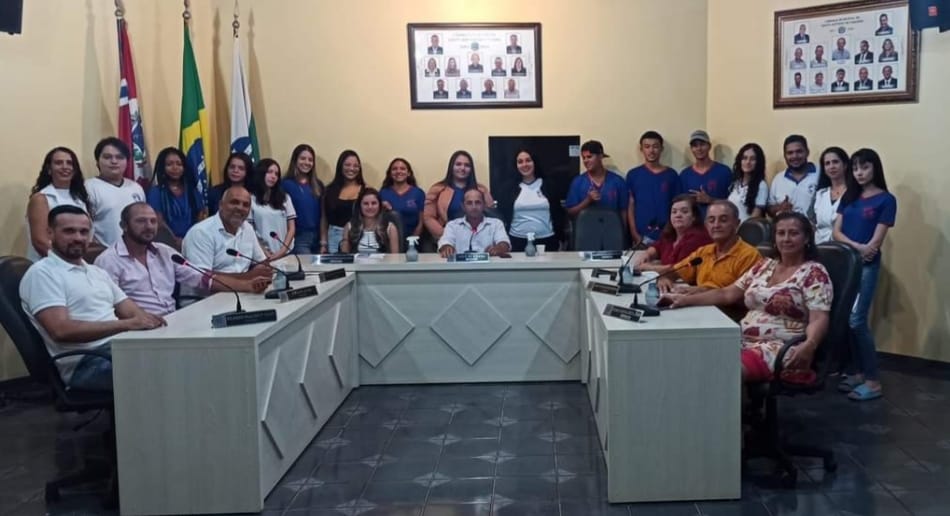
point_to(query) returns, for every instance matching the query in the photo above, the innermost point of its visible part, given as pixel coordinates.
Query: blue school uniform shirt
(455, 205)
(179, 217)
(715, 182)
(652, 197)
(306, 205)
(860, 218)
(408, 205)
(613, 193)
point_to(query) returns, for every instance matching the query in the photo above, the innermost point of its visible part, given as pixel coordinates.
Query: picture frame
(474, 65)
(862, 52)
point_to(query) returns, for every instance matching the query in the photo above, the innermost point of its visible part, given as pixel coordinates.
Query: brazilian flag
(193, 140)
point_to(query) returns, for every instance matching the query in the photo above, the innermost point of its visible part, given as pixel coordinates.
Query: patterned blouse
(780, 312)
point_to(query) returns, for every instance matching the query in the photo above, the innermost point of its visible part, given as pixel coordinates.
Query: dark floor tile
(529, 445)
(467, 467)
(418, 432)
(473, 429)
(664, 509)
(426, 416)
(475, 490)
(877, 502)
(579, 445)
(582, 464)
(579, 426)
(930, 502)
(389, 510)
(846, 478)
(343, 472)
(354, 451)
(526, 428)
(732, 508)
(525, 489)
(880, 456)
(404, 470)
(326, 495)
(471, 448)
(413, 450)
(526, 466)
(527, 509)
(910, 475)
(792, 503)
(526, 412)
(283, 494)
(316, 511)
(583, 487)
(447, 509)
(593, 508)
(386, 493)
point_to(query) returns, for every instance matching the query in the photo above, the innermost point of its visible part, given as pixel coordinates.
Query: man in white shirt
(206, 243)
(75, 306)
(794, 190)
(474, 232)
(110, 191)
(841, 53)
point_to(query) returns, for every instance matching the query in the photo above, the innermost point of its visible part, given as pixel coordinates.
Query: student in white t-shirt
(110, 192)
(60, 182)
(794, 189)
(748, 190)
(832, 183)
(272, 211)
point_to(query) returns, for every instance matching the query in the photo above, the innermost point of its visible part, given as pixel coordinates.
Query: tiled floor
(531, 449)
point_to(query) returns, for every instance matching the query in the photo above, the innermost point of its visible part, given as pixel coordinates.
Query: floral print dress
(780, 312)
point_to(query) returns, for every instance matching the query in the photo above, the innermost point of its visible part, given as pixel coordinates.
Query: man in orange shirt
(724, 260)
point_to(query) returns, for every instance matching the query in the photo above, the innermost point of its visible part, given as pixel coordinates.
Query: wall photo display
(849, 53)
(474, 65)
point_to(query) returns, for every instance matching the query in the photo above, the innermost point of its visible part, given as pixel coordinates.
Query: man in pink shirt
(144, 269)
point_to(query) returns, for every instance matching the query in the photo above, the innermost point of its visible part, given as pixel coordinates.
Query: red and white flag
(130, 119)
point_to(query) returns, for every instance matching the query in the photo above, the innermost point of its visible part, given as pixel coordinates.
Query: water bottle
(530, 249)
(653, 294)
(412, 255)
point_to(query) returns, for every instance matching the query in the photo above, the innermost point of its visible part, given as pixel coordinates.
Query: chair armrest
(779, 363)
(83, 352)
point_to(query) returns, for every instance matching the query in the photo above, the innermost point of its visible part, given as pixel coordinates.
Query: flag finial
(236, 24)
(119, 9)
(186, 14)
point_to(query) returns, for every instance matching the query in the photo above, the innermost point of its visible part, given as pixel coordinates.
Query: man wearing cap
(795, 188)
(597, 186)
(705, 179)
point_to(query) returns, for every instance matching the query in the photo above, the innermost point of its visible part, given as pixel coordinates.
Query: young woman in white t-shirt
(370, 230)
(748, 190)
(530, 204)
(832, 183)
(60, 182)
(272, 211)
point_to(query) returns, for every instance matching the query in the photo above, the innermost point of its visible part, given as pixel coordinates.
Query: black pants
(551, 244)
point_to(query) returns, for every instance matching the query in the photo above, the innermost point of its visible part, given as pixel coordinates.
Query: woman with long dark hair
(237, 170)
(59, 182)
(306, 193)
(340, 199)
(832, 183)
(370, 230)
(529, 204)
(444, 199)
(174, 196)
(401, 195)
(748, 190)
(272, 210)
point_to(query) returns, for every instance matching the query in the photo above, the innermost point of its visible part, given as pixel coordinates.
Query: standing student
(306, 193)
(597, 186)
(444, 200)
(866, 213)
(529, 204)
(748, 190)
(652, 187)
(59, 182)
(272, 210)
(832, 183)
(110, 191)
(370, 230)
(237, 170)
(401, 195)
(706, 179)
(340, 199)
(794, 190)
(175, 196)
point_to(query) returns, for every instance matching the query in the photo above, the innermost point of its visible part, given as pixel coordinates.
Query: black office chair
(844, 268)
(756, 230)
(395, 218)
(42, 369)
(598, 229)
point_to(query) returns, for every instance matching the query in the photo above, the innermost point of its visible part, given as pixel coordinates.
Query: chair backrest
(598, 229)
(395, 218)
(27, 340)
(755, 231)
(843, 264)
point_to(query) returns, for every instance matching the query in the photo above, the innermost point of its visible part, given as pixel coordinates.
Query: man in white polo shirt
(794, 189)
(206, 243)
(110, 191)
(474, 232)
(74, 305)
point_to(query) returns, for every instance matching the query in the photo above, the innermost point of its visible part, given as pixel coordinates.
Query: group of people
(264, 214)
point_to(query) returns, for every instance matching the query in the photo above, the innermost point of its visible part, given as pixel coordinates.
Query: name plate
(332, 275)
(598, 272)
(298, 293)
(603, 255)
(622, 312)
(603, 288)
(470, 257)
(229, 319)
(333, 258)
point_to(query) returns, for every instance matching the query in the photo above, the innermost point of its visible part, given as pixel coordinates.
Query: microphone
(296, 276)
(239, 316)
(650, 311)
(622, 287)
(180, 260)
(273, 293)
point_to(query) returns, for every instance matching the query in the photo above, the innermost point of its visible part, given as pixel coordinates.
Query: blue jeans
(864, 355)
(334, 237)
(93, 373)
(306, 242)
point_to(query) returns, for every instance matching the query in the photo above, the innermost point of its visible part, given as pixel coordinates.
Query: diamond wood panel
(388, 328)
(556, 324)
(470, 325)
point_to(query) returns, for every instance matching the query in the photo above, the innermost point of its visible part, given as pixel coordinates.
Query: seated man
(474, 232)
(724, 260)
(206, 243)
(144, 269)
(74, 305)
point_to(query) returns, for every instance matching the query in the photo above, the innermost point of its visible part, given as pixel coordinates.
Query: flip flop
(863, 393)
(848, 384)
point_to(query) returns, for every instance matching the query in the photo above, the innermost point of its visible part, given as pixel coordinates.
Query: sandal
(864, 393)
(848, 383)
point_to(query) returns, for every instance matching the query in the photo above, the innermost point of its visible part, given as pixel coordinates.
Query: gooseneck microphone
(273, 293)
(300, 274)
(180, 260)
(623, 287)
(650, 311)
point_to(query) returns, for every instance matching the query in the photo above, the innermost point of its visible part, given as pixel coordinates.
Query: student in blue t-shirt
(652, 187)
(597, 186)
(705, 179)
(865, 214)
(401, 195)
(175, 196)
(305, 191)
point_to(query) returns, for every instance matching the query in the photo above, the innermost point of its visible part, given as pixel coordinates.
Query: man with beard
(75, 305)
(144, 269)
(794, 190)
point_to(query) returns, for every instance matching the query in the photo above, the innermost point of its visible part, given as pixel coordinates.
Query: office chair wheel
(52, 493)
(830, 464)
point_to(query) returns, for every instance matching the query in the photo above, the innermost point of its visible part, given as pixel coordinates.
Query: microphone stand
(299, 275)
